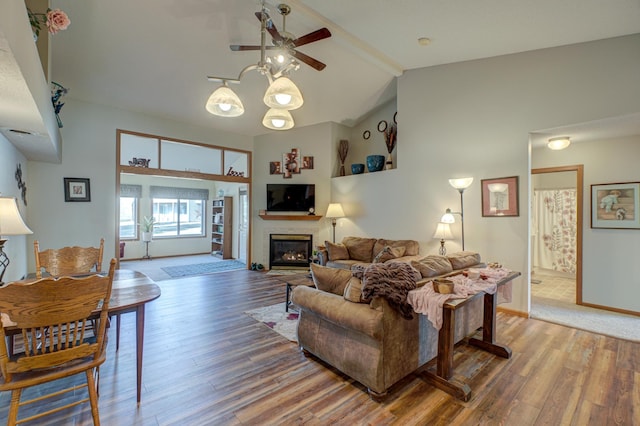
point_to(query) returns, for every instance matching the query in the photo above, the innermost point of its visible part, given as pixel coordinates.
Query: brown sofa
(354, 250)
(369, 340)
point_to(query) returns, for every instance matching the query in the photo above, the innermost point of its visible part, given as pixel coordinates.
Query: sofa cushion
(353, 291)
(431, 266)
(336, 251)
(411, 246)
(360, 248)
(464, 259)
(388, 253)
(331, 280)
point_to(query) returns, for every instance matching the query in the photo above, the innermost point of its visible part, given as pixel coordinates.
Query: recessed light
(424, 41)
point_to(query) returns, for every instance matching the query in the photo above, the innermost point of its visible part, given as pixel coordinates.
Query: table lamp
(334, 211)
(443, 232)
(11, 223)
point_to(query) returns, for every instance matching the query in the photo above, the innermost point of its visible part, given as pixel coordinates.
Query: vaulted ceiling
(153, 56)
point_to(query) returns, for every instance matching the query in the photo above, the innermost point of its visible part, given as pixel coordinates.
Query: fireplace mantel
(290, 217)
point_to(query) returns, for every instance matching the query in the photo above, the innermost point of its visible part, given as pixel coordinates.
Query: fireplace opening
(290, 251)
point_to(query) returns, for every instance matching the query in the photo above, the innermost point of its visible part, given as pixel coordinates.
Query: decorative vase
(389, 164)
(375, 163)
(357, 168)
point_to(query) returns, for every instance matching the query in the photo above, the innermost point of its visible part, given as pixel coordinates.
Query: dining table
(130, 292)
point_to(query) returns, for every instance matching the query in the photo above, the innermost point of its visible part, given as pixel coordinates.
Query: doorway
(556, 234)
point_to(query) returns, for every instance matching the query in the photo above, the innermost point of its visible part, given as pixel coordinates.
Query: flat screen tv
(283, 197)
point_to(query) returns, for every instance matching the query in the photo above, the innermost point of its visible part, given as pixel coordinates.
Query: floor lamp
(334, 211)
(11, 223)
(459, 184)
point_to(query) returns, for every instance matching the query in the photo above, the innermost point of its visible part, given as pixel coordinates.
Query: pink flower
(57, 20)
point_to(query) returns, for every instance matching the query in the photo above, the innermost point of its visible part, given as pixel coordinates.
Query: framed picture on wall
(500, 197)
(77, 189)
(615, 205)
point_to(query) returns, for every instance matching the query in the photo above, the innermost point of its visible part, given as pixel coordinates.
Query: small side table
(294, 281)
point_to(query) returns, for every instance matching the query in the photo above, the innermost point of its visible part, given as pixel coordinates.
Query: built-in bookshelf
(221, 222)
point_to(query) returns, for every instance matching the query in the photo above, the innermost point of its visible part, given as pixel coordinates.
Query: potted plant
(147, 228)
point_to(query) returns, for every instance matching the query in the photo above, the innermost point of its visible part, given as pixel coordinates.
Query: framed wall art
(500, 197)
(77, 189)
(615, 205)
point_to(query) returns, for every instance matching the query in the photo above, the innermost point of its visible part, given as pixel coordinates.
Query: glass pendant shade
(278, 119)
(225, 103)
(283, 94)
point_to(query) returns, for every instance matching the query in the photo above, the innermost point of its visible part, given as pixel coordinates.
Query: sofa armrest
(323, 255)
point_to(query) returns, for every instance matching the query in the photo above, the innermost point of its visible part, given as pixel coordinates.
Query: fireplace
(290, 251)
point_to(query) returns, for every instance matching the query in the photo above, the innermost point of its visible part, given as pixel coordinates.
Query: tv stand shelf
(290, 217)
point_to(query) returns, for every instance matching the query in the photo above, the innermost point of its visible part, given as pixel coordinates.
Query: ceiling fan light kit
(278, 119)
(225, 103)
(282, 95)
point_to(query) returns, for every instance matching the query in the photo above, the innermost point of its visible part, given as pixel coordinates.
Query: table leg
(139, 345)
(488, 342)
(442, 377)
(287, 302)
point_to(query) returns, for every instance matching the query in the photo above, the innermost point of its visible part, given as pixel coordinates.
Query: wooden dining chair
(72, 261)
(68, 260)
(64, 306)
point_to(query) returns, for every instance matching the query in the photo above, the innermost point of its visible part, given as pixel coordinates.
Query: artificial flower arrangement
(54, 19)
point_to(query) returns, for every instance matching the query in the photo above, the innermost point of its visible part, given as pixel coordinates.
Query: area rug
(203, 268)
(275, 317)
(584, 318)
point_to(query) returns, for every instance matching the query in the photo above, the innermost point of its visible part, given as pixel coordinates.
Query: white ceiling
(153, 56)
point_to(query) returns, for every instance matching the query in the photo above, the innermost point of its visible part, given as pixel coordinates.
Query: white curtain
(554, 229)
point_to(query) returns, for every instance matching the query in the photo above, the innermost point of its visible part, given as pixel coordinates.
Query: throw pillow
(411, 246)
(331, 280)
(353, 291)
(336, 251)
(389, 253)
(464, 259)
(360, 248)
(431, 266)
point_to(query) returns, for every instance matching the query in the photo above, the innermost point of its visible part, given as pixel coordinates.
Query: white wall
(89, 151)
(611, 271)
(319, 141)
(473, 119)
(16, 246)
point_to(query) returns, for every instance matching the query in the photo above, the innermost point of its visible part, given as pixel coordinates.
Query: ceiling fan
(284, 40)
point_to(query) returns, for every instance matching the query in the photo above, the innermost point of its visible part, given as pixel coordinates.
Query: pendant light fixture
(278, 119)
(283, 94)
(224, 102)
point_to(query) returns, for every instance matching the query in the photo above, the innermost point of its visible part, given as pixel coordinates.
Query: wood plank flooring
(207, 363)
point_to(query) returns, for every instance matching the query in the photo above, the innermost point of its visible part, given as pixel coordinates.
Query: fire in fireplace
(289, 251)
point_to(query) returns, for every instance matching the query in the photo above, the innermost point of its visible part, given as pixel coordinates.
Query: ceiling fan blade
(271, 27)
(313, 63)
(241, 48)
(320, 34)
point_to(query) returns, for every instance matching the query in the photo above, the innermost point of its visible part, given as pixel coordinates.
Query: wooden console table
(442, 376)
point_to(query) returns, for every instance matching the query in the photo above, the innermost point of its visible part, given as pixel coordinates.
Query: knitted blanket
(391, 281)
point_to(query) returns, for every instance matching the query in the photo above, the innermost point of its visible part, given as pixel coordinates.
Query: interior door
(243, 223)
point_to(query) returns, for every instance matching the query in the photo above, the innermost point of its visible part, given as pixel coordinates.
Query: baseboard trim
(513, 312)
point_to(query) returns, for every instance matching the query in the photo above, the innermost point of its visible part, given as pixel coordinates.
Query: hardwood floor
(207, 363)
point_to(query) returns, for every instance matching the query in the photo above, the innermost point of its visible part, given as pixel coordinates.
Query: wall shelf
(290, 217)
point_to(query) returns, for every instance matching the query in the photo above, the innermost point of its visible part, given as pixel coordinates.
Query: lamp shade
(225, 103)
(11, 222)
(461, 183)
(334, 210)
(283, 94)
(443, 232)
(448, 217)
(558, 143)
(278, 119)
